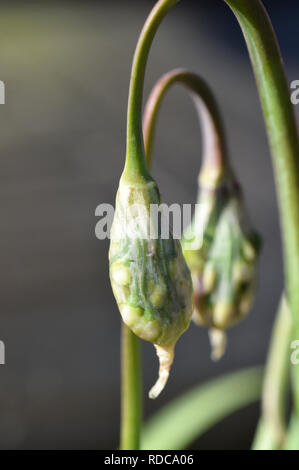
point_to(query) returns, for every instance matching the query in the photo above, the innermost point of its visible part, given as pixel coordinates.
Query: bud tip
(218, 343)
(166, 356)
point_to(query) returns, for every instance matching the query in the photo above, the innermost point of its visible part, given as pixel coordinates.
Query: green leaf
(178, 424)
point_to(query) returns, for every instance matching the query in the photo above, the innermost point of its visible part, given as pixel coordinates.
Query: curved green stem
(135, 158)
(136, 170)
(283, 137)
(214, 145)
(271, 432)
(131, 403)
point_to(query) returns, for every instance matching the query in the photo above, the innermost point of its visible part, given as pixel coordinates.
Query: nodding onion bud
(150, 278)
(221, 251)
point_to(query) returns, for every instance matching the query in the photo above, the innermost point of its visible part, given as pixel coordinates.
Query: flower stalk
(283, 139)
(214, 145)
(131, 403)
(136, 172)
(135, 157)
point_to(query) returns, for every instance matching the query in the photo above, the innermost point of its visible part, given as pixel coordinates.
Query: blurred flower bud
(150, 278)
(221, 251)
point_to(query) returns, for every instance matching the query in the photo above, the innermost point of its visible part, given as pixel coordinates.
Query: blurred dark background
(66, 67)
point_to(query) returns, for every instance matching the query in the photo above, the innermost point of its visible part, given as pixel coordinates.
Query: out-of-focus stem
(292, 441)
(264, 438)
(214, 146)
(271, 431)
(131, 403)
(283, 138)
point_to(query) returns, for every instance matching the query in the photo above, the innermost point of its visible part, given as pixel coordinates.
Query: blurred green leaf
(178, 424)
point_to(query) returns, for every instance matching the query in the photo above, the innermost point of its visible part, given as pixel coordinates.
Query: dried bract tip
(166, 356)
(218, 342)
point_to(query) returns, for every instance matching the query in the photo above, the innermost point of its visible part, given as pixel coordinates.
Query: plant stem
(283, 137)
(214, 145)
(271, 432)
(292, 441)
(264, 438)
(131, 403)
(135, 158)
(136, 170)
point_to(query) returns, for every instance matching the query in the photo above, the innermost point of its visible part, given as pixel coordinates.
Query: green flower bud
(221, 252)
(149, 276)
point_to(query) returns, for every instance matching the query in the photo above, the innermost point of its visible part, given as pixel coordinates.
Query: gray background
(66, 67)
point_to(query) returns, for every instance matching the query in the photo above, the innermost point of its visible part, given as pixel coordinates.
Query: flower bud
(221, 252)
(150, 278)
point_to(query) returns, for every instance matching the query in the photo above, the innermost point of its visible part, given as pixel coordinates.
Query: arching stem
(136, 171)
(135, 159)
(215, 158)
(283, 138)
